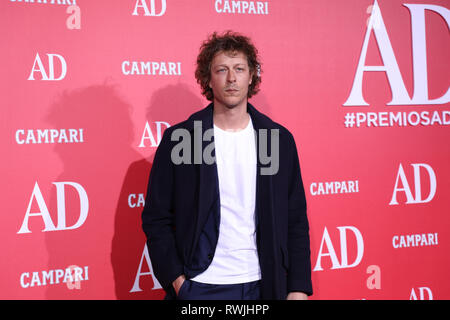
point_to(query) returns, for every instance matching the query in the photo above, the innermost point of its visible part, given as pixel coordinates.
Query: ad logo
(38, 66)
(417, 197)
(152, 12)
(61, 208)
(148, 134)
(336, 264)
(390, 66)
(140, 273)
(422, 291)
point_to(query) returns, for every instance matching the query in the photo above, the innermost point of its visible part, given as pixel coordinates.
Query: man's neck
(231, 119)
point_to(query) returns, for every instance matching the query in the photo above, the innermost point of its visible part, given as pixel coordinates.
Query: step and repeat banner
(89, 86)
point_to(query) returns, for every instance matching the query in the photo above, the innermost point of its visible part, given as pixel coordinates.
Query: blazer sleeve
(158, 216)
(299, 274)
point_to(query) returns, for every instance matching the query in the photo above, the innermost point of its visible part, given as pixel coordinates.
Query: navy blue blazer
(181, 216)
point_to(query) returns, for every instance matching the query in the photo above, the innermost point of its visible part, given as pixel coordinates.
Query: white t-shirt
(236, 257)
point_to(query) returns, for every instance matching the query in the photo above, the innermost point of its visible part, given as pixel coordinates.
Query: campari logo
(242, 7)
(61, 2)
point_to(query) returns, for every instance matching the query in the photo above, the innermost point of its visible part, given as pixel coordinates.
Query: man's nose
(231, 77)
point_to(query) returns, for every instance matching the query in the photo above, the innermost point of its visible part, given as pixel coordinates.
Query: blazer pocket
(284, 258)
(182, 289)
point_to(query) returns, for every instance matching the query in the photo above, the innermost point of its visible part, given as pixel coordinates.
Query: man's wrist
(297, 295)
(178, 282)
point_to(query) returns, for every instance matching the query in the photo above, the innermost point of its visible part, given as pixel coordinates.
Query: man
(223, 219)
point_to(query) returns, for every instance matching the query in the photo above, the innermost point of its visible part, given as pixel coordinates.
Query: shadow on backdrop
(97, 165)
(172, 104)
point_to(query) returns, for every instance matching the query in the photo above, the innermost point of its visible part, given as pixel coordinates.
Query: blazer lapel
(266, 238)
(264, 199)
(208, 190)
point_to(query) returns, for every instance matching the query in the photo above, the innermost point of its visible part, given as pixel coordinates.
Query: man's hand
(297, 296)
(178, 283)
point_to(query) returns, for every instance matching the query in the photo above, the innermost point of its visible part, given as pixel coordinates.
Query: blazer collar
(259, 120)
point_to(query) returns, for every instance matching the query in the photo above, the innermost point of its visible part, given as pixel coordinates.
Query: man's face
(230, 78)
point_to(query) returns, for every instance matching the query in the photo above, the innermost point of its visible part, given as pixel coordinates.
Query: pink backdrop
(88, 87)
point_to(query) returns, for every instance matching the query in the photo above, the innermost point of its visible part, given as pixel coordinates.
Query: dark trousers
(191, 290)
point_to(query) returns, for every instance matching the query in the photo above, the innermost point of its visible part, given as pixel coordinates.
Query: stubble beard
(235, 104)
